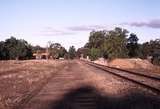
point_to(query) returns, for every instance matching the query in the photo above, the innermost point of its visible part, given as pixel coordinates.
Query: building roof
(44, 54)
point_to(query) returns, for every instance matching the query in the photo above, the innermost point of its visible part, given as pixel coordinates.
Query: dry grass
(156, 69)
(23, 77)
(135, 64)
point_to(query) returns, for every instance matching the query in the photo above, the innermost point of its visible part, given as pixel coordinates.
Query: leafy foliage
(14, 48)
(56, 50)
(116, 44)
(151, 48)
(133, 47)
(95, 53)
(38, 48)
(96, 39)
(72, 52)
(108, 44)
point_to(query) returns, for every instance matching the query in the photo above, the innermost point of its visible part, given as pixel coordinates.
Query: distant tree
(72, 52)
(96, 39)
(133, 38)
(155, 51)
(148, 48)
(13, 48)
(152, 49)
(95, 54)
(4, 53)
(145, 49)
(108, 44)
(156, 57)
(95, 43)
(132, 46)
(29, 53)
(62, 52)
(115, 44)
(87, 45)
(66, 56)
(37, 48)
(56, 50)
(11, 45)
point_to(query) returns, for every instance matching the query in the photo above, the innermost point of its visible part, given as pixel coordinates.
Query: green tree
(95, 54)
(4, 53)
(96, 39)
(62, 52)
(29, 53)
(56, 50)
(115, 44)
(96, 42)
(133, 47)
(109, 44)
(72, 52)
(18, 49)
(148, 48)
(37, 48)
(151, 48)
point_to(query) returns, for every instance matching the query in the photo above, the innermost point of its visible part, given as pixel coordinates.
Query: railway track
(151, 83)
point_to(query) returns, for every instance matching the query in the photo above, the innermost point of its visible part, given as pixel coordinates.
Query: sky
(69, 22)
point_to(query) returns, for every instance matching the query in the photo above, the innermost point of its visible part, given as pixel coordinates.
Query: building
(41, 55)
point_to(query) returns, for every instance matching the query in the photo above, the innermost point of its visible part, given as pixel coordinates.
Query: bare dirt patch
(131, 64)
(135, 64)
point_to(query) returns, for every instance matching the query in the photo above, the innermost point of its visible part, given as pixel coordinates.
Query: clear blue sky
(69, 22)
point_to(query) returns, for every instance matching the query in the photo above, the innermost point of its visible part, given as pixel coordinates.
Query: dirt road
(80, 86)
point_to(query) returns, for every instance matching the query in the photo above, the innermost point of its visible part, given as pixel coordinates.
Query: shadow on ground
(89, 98)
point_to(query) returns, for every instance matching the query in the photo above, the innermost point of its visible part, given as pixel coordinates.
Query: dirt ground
(68, 85)
(80, 86)
(18, 79)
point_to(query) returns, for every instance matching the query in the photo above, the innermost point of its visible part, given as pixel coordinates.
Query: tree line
(57, 51)
(19, 49)
(118, 43)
